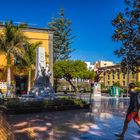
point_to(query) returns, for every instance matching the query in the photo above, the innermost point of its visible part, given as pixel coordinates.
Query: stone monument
(40, 60)
(42, 84)
(97, 89)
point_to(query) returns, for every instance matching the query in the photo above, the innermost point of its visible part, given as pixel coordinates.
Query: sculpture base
(43, 92)
(97, 89)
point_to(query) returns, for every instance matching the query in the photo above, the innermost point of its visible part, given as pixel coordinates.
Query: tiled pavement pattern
(101, 123)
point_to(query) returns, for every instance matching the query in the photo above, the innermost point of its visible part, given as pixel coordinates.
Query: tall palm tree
(11, 41)
(28, 61)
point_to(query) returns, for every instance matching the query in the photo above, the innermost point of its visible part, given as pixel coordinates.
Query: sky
(91, 23)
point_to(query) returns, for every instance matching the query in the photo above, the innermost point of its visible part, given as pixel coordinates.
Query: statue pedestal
(97, 89)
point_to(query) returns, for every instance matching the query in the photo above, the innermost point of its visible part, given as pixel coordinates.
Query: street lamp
(104, 72)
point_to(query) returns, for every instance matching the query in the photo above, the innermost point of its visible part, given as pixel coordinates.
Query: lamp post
(104, 72)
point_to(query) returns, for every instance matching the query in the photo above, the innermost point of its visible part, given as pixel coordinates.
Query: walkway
(105, 119)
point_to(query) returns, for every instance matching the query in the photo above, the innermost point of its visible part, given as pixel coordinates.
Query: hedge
(16, 106)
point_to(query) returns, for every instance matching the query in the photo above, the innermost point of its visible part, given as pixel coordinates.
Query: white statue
(42, 82)
(43, 77)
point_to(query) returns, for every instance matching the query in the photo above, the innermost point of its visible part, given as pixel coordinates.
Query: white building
(101, 63)
(90, 66)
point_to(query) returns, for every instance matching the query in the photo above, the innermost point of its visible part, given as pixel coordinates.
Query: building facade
(90, 66)
(20, 79)
(110, 75)
(101, 63)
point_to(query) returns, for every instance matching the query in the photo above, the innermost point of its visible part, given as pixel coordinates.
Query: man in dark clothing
(132, 112)
(91, 87)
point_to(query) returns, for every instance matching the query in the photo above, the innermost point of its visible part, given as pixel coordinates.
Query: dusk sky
(91, 22)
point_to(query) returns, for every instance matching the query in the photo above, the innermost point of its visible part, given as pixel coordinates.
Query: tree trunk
(8, 75)
(8, 80)
(75, 90)
(29, 81)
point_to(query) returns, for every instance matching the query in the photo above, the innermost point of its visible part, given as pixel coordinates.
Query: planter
(17, 107)
(46, 109)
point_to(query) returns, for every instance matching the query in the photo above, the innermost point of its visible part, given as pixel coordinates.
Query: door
(21, 83)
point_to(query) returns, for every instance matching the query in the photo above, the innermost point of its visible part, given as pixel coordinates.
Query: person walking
(132, 111)
(1, 97)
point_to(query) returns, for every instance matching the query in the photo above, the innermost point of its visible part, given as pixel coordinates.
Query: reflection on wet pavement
(101, 123)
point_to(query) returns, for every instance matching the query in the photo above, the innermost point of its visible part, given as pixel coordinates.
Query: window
(123, 75)
(108, 77)
(108, 83)
(133, 75)
(113, 76)
(133, 81)
(123, 83)
(118, 75)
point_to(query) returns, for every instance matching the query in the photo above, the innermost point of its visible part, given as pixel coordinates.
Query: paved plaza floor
(101, 123)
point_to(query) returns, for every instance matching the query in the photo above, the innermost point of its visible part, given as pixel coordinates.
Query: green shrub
(10, 101)
(138, 90)
(105, 91)
(123, 90)
(63, 102)
(138, 84)
(45, 104)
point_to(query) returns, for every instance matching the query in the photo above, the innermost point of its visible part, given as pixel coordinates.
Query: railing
(6, 132)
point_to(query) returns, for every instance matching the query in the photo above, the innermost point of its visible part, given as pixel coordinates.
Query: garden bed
(18, 107)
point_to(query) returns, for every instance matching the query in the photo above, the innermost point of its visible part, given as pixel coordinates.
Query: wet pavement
(101, 123)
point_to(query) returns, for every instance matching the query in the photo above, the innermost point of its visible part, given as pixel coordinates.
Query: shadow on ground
(101, 123)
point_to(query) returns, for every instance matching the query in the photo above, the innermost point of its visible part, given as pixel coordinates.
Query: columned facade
(113, 74)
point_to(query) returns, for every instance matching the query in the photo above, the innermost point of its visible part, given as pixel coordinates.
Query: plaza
(101, 123)
(70, 70)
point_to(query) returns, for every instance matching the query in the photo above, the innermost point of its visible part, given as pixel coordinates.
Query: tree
(62, 36)
(91, 75)
(11, 42)
(28, 61)
(69, 69)
(127, 31)
(117, 84)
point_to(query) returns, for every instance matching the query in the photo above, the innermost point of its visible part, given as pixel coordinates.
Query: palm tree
(11, 42)
(28, 61)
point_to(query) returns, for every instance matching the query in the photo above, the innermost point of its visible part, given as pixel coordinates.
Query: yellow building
(34, 35)
(113, 74)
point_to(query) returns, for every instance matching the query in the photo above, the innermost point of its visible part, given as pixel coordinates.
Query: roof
(33, 28)
(109, 67)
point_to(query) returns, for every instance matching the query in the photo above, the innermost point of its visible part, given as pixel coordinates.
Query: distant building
(90, 66)
(114, 74)
(100, 64)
